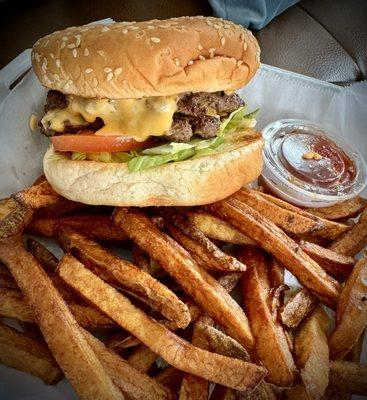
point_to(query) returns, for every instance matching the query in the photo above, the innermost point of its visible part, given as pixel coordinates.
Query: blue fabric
(253, 14)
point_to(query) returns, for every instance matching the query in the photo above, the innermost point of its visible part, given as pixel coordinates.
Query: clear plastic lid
(309, 166)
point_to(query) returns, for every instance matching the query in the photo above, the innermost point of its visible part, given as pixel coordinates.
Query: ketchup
(313, 158)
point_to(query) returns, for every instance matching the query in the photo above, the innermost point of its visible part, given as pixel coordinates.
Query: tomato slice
(90, 143)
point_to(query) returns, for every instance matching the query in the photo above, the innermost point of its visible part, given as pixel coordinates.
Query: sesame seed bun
(186, 183)
(152, 58)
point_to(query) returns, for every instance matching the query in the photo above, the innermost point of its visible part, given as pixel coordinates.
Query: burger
(146, 113)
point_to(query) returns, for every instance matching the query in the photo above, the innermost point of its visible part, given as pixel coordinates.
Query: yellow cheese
(137, 118)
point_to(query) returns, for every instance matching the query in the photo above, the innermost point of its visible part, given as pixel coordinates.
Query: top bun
(151, 58)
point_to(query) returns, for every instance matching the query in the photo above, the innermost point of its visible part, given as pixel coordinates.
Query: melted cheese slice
(137, 118)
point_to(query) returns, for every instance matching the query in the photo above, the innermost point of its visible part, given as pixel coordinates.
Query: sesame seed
(209, 23)
(37, 56)
(86, 52)
(222, 41)
(109, 76)
(88, 70)
(63, 44)
(211, 52)
(134, 28)
(226, 26)
(75, 53)
(71, 46)
(176, 61)
(124, 31)
(58, 63)
(202, 58)
(150, 27)
(46, 43)
(107, 70)
(105, 29)
(65, 39)
(190, 62)
(245, 46)
(52, 55)
(242, 36)
(118, 71)
(100, 53)
(155, 39)
(200, 47)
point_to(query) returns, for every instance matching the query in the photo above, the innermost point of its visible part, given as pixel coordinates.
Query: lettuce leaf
(139, 160)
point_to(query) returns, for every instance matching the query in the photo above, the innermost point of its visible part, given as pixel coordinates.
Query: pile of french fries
(165, 325)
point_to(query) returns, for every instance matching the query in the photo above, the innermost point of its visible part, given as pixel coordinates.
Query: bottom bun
(186, 183)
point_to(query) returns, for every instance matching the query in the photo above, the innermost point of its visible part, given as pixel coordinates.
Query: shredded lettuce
(139, 160)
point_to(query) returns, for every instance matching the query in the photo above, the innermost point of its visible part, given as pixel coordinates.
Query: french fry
(194, 387)
(121, 341)
(13, 218)
(6, 279)
(271, 343)
(93, 226)
(276, 274)
(344, 210)
(312, 354)
(143, 261)
(44, 256)
(216, 228)
(59, 209)
(134, 384)
(174, 350)
(58, 326)
(122, 273)
(297, 308)
(142, 358)
(329, 229)
(351, 312)
(170, 377)
(288, 220)
(202, 287)
(335, 264)
(194, 241)
(13, 305)
(282, 247)
(353, 241)
(26, 354)
(38, 196)
(349, 377)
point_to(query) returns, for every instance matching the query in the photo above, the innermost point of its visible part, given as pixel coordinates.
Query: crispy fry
(38, 196)
(353, 241)
(142, 358)
(194, 387)
(6, 279)
(335, 264)
(206, 291)
(276, 273)
(282, 247)
(271, 343)
(121, 272)
(42, 254)
(26, 354)
(13, 305)
(121, 340)
(59, 209)
(93, 226)
(351, 312)
(13, 218)
(195, 242)
(312, 354)
(170, 377)
(58, 326)
(344, 210)
(297, 308)
(216, 228)
(143, 261)
(329, 229)
(349, 377)
(290, 221)
(134, 384)
(170, 347)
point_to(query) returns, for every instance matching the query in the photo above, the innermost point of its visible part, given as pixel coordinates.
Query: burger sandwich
(146, 114)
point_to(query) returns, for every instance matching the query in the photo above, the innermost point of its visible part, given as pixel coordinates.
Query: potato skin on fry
(340, 211)
(349, 377)
(351, 313)
(270, 341)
